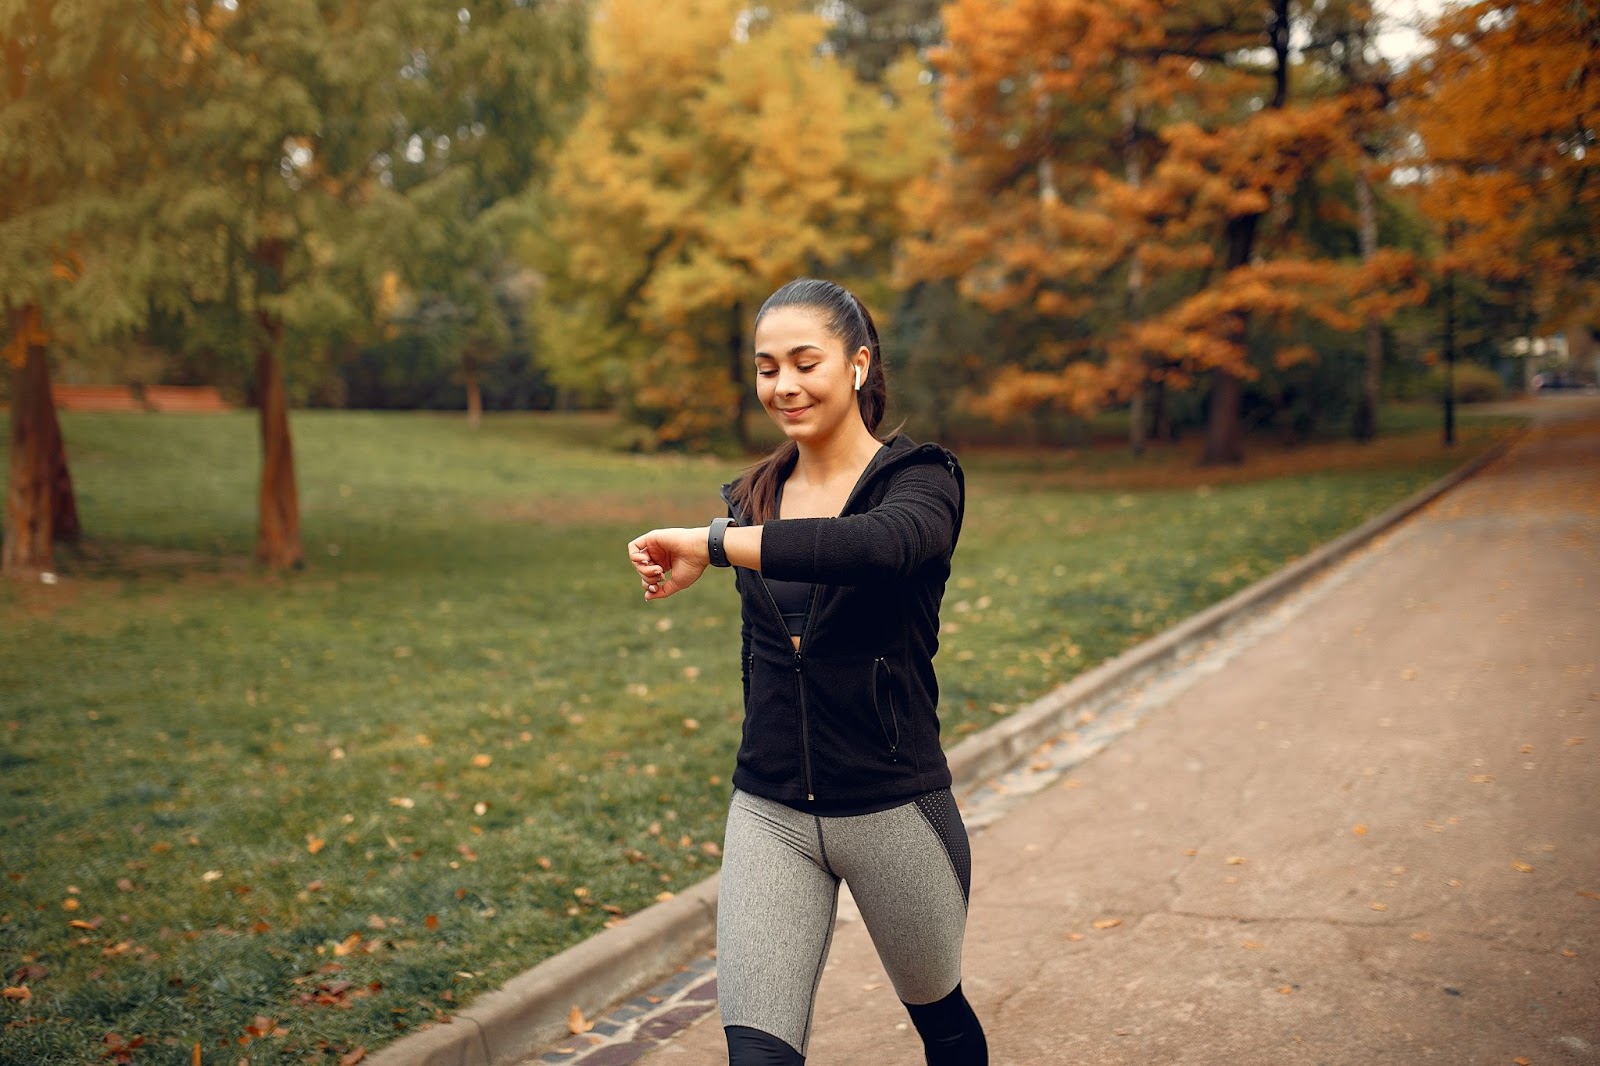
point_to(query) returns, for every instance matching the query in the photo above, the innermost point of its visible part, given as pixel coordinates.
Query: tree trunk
(1449, 349)
(1133, 293)
(741, 402)
(1365, 427)
(278, 538)
(1224, 437)
(40, 505)
(1160, 415)
(469, 374)
(1136, 421)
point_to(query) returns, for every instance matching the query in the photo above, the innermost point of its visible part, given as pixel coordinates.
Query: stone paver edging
(530, 1011)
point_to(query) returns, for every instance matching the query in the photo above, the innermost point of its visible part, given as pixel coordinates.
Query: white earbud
(858, 377)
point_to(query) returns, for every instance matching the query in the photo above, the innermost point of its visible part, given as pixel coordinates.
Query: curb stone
(528, 1015)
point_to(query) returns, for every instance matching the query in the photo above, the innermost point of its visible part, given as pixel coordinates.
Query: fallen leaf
(1252, 945)
(431, 921)
(355, 1055)
(1359, 830)
(20, 993)
(1075, 937)
(348, 944)
(1408, 674)
(1421, 936)
(315, 844)
(79, 923)
(1285, 990)
(662, 897)
(1522, 867)
(481, 760)
(1527, 749)
(576, 1024)
(1522, 1060)
(1586, 894)
(1568, 953)
(211, 875)
(1482, 779)
(1574, 741)
(1107, 923)
(124, 885)
(70, 904)
(1235, 860)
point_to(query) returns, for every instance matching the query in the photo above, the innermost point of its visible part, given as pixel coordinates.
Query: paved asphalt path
(1373, 837)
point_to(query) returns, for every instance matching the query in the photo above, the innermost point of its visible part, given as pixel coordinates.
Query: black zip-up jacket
(850, 721)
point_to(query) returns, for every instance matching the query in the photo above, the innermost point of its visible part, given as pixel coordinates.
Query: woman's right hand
(669, 560)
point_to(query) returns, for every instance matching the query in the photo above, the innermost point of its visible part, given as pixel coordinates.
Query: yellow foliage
(720, 156)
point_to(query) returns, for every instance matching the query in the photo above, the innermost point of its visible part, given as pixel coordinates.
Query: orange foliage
(1506, 108)
(1101, 151)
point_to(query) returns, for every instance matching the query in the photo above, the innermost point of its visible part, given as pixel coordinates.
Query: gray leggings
(909, 869)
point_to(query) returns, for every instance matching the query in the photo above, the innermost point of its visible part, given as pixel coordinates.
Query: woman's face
(803, 377)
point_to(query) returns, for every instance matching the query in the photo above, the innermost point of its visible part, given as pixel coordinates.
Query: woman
(841, 544)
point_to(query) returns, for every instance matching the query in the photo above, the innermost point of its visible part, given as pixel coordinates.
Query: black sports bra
(793, 597)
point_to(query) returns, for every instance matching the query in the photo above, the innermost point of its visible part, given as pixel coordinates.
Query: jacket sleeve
(915, 522)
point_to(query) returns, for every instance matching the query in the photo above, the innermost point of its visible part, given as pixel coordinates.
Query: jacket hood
(899, 450)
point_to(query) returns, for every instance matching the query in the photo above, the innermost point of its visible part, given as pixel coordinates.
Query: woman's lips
(793, 412)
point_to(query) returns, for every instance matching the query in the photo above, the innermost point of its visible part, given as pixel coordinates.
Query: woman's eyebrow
(796, 350)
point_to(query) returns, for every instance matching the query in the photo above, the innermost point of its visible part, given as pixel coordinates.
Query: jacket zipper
(800, 683)
(894, 741)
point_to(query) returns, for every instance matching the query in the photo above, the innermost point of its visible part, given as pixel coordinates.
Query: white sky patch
(1401, 42)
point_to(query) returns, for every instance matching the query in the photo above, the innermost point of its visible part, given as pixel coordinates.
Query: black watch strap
(719, 527)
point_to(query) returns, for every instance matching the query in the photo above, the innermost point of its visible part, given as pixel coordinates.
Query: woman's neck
(842, 457)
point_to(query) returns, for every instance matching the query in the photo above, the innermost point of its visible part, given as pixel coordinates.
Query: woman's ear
(862, 363)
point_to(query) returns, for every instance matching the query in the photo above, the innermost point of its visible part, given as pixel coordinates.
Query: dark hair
(844, 316)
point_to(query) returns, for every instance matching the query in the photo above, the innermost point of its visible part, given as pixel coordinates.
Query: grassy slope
(458, 742)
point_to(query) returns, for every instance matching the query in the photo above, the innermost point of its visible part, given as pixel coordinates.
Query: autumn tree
(1142, 162)
(721, 155)
(1505, 108)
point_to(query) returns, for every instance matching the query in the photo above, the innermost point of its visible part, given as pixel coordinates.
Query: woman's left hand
(669, 560)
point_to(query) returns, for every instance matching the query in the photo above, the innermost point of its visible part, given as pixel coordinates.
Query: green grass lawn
(346, 800)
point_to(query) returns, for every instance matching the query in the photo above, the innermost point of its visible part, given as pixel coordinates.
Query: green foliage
(1474, 383)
